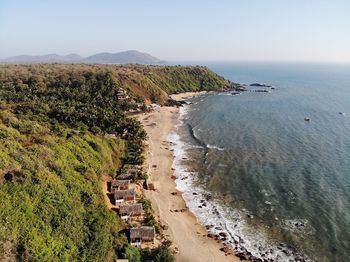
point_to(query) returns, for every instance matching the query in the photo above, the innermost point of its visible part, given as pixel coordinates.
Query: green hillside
(51, 206)
(56, 123)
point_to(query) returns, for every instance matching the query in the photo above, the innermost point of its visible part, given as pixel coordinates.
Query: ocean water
(251, 166)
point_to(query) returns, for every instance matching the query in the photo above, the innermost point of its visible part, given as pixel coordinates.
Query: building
(130, 211)
(129, 172)
(141, 235)
(121, 196)
(122, 94)
(127, 176)
(120, 184)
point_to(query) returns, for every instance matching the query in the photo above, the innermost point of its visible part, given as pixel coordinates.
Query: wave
(223, 223)
(215, 147)
(195, 138)
(200, 142)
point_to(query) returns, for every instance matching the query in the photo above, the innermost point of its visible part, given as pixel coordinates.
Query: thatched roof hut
(124, 195)
(126, 176)
(120, 184)
(129, 171)
(130, 210)
(144, 233)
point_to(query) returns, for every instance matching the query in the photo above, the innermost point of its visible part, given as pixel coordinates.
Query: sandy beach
(189, 238)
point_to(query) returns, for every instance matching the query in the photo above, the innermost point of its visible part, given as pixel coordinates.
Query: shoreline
(182, 209)
(189, 238)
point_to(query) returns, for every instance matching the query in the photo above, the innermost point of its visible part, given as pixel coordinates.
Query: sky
(180, 30)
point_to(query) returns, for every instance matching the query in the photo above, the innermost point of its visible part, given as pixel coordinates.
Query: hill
(127, 57)
(49, 58)
(62, 127)
(151, 84)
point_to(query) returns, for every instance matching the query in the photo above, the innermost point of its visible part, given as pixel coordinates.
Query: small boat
(342, 113)
(307, 119)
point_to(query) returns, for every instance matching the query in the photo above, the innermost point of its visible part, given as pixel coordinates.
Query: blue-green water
(291, 176)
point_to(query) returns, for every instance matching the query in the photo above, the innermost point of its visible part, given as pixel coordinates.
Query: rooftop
(142, 232)
(130, 209)
(120, 183)
(124, 193)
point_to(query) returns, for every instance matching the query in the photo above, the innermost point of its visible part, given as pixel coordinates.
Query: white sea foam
(301, 226)
(215, 147)
(221, 219)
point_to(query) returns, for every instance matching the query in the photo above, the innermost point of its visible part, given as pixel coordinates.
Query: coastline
(189, 238)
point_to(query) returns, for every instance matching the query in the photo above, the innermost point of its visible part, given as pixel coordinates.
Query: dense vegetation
(159, 254)
(151, 83)
(51, 206)
(155, 83)
(61, 128)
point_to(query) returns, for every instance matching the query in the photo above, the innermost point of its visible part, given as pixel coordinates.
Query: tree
(132, 253)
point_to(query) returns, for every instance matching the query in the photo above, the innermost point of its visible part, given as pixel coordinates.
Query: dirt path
(105, 191)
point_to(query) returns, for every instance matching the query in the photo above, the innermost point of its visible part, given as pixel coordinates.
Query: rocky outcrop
(260, 85)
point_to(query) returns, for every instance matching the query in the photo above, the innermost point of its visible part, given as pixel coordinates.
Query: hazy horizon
(298, 31)
(192, 61)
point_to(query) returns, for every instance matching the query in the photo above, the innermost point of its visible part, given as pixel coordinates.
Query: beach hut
(120, 184)
(127, 176)
(130, 211)
(129, 172)
(141, 234)
(121, 196)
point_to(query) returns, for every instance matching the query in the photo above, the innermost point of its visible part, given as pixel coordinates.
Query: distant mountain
(127, 57)
(74, 57)
(49, 58)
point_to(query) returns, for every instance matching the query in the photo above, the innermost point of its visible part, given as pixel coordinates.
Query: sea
(269, 172)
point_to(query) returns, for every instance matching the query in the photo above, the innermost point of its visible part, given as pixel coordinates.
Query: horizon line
(192, 60)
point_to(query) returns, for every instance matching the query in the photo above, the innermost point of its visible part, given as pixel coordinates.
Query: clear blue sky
(307, 30)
